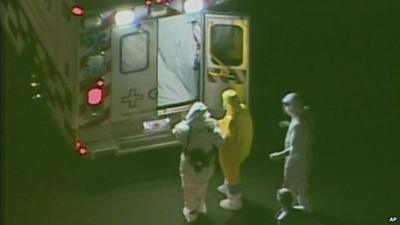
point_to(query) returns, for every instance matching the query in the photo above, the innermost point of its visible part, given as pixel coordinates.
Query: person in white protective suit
(297, 152)
(200, 137)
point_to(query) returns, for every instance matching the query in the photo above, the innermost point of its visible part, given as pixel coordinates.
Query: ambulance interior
(178, 72)
(227, 45)
(180, 51)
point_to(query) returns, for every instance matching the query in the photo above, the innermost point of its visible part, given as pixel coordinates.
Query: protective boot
(190, 216)
(223, 188)
(233, 202)
(203, 209)
(304, 201)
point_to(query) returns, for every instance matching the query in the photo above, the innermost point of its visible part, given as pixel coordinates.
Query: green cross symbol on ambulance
(132, 98)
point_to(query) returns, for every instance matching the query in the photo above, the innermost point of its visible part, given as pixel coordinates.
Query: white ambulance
(117, 75)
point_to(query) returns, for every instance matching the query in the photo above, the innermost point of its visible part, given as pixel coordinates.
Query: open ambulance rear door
(226, 58)
(134, 80)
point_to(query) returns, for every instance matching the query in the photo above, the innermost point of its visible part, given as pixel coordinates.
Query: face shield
(292, 104)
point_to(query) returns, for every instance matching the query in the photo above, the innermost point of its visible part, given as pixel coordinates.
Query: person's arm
(219, 138)
(293, 144)
(180, 131)
(232, 134)
(284, 124)
(297, 144)
(279, 155)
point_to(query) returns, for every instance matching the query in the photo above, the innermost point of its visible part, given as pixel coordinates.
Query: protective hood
(231, 101)
(292, 104)
(198, 112)
(292, 98)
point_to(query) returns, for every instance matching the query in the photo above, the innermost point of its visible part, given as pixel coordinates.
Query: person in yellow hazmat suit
(237, 128)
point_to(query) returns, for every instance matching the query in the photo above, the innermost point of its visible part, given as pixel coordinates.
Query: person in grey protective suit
(297, 152)
(200, 137)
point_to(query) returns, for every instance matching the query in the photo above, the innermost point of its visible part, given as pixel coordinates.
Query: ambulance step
(148, 147)
(145, 143)
(102, 146)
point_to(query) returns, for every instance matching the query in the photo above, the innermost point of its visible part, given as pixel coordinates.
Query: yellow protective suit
(237, 128)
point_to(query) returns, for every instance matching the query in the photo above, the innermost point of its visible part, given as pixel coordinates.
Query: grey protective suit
(298, 143)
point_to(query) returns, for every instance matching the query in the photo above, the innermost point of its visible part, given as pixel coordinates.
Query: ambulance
(117, 75)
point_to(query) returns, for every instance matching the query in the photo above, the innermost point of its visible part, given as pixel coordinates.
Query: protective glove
(275, 156)
(284, 124)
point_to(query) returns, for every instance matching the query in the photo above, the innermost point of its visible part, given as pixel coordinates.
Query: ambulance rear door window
(227, 45)
(134, 52)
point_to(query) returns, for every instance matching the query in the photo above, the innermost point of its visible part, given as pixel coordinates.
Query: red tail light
(148, 3)
(77, 10)
(82, 150)
(78, 144)
(95, 95)
(100, 83)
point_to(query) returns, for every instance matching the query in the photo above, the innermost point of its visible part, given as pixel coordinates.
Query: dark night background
(343, 57)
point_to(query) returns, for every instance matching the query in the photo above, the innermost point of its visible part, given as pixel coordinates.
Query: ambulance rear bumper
(129, 145)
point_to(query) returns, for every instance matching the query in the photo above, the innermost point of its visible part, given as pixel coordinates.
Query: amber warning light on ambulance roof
(77, 10)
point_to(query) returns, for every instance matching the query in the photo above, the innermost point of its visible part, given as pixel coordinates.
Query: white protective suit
(297, 149)
(204, 135)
